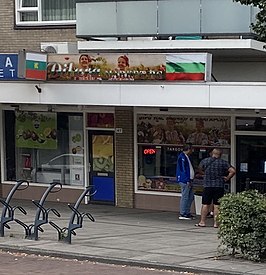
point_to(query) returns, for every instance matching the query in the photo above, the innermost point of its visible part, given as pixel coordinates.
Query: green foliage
(242, 225)
(260, 25)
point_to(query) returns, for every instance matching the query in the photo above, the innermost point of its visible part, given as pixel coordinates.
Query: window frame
(19, 9)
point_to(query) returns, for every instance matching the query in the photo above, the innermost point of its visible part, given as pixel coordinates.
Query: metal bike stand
(65, 233)
(9, 211)
(42, 213)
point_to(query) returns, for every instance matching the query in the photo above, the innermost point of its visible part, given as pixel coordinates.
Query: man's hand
(226, 179)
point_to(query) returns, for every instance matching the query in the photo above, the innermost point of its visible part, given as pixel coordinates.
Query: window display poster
(36, 130)
(100, 120)
(165, 184)
(103, 153)
(170, 129)
(76, 161)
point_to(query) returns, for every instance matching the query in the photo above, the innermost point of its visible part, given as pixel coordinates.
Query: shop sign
(130, 67)
(177, 130)
(149, 151)
(36, 130)
(8, 67)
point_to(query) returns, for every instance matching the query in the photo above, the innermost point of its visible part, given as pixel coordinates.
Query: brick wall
(125, 158)
(12, 40)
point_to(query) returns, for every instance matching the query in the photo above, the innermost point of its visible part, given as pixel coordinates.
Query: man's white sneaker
(185, 218)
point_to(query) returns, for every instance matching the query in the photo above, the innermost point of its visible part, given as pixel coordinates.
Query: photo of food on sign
(110, 67)
(36, 130)
(177, 130)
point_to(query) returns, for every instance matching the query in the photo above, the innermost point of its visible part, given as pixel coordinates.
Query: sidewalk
(129, 236)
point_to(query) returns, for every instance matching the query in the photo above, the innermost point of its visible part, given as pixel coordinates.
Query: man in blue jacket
(185, 175)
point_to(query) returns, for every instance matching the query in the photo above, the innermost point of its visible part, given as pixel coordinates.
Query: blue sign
(8, 67)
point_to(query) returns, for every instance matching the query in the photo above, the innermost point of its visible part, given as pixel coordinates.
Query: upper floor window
(45, 12)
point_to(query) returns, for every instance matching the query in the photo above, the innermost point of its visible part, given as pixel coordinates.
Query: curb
(108, 260)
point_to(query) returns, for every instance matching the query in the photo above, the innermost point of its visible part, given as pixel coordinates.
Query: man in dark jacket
(185, 175)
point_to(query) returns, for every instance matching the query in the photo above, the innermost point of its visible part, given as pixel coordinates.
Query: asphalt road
(21, 263)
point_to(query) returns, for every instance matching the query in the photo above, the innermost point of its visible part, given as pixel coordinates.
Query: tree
(259, 27)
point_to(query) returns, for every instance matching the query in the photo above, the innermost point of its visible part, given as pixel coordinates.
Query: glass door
(251, 163)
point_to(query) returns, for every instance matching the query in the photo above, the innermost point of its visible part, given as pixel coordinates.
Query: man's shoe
(191, 216)
(184, 217)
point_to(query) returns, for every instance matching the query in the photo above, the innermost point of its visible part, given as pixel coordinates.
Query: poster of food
(76, 162)
(75, 142)
(177, 130)
(129, 67)
(165, 184)
(103, 153)
(36, 130)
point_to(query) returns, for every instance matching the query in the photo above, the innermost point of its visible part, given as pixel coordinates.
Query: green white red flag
(186, 67)
(32, 65)
(36, 64)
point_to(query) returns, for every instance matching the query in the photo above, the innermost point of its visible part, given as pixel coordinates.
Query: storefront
(161, 135)
(98, 126)
(73, 148)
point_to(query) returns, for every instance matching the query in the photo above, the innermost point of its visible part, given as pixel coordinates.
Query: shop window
(45, 12)
(160, 138)
(251, 123)
(46, 147)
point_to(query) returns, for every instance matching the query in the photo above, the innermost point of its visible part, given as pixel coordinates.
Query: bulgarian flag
(36, 64)
(185, 67)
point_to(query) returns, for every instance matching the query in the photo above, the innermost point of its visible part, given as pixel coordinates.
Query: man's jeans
(186, 199)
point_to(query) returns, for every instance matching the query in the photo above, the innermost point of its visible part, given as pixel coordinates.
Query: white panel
(179, 17)
(228, 47)
(14, 92)
(81, 94)
(238, 96)
(165, 95)
(213, 95)
(96, 19)
(137, 17)
(225, 17)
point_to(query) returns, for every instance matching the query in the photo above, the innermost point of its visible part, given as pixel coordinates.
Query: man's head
(217, 153)
(187, 148)
(199, 125)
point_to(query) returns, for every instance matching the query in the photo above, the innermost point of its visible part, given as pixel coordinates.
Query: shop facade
(123, 136)
(74, 147)
(160, 136)
(132, 165)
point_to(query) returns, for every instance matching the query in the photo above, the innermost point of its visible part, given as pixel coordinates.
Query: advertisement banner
(177, 130)
(36, 130)
(8, 67)
(130, 67)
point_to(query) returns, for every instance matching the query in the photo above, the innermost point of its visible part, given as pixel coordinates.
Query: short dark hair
(187, 146)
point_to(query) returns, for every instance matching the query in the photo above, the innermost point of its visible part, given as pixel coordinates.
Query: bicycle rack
(41, 216)
(65, 233)
(9, 211)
